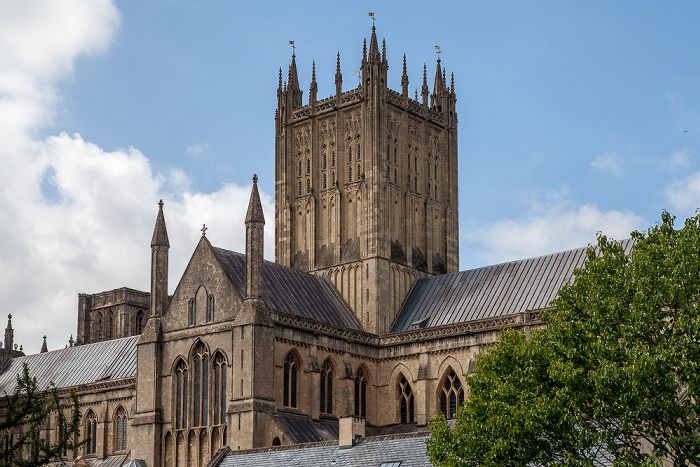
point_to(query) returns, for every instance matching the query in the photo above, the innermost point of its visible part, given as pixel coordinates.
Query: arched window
(333, 158)
(324, 181)
(300, 168)
(299, 187)
(210, 309)
(350, 175)
(139, 321)
(99, 326)
(405, 401)
(349, 153)
(333, 179)
(110, 324)
(415, 183)
(181, 395)
(327, 387)
(290, 381)
(219, 404)
(91, 432)
(452, 395)
(415, 164)
(308, 166)
(276, 441)
(308, 185)
(193, 309)
(120, 429)
(324, 161)
(200, 383)
(361, 393)
(358, 152)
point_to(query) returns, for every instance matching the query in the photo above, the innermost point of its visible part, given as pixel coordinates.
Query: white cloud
(609, 162)
(74, 217)
(551, 223)
(197, 151)
(679, 160)
(684, 195)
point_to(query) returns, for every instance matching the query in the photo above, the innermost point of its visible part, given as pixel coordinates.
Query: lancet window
(406, 404)
(192, 312)
(99, 326)
(290, 381)
(327, 388)
(361, 393)
(452, 395)
(110, 324)
(139, 322)
(91, 432)
(200, 385)
(120, 429)
(180, 395)
(210, 309)
(219, 388)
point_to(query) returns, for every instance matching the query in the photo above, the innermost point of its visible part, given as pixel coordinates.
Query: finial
(384, 49)
(204, 230)
(425, 75)
(293, 47)
(44, 347)
(280, 85)
(337, 68)
(71, 342)
(371, 14)
(255, 178)
(10, 315)
(313, 71)
(404, 64)
(160, 203)
(364, 50)
(452, 84)
(416, 94)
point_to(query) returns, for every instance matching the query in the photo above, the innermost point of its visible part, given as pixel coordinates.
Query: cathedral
(359, 333)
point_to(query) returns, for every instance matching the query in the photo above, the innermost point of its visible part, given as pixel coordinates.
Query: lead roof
(72, 366)
(491, 291)
(290, 291)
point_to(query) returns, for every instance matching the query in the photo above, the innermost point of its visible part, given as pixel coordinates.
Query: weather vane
(293, 47)
(437, 50)
(204, 230)
(371, 14)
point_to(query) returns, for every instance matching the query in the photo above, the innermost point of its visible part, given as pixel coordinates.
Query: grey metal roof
(291, 291)
(490, 291)
(75, 365)
(410, 451)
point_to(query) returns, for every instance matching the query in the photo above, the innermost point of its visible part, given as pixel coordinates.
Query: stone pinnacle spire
(404, 78)
(293, 79)
(160, 233)
(9, 334)
(439, 85)
(374, 47)
(44, 347)
(254, 236)
(255, 212)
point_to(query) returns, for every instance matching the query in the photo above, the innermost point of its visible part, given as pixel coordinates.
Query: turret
(9, 334)
(159, 265)
(254, 234)
(338, 79)
(404, 79)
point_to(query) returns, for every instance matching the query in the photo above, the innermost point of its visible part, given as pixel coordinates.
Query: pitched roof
(290, 291)
(403, 451)
(490, 291)
(75, 365)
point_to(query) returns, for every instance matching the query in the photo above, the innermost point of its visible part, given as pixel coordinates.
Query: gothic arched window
(358, 171)
(180, 395)
(200, 385)
(361, 393)
(120, 429)
(139, 321)
(290, 381)
(308, 185)
(452, 395)
(333, 179)
(349, 153)
(110, 324)
(210, 309)
(327, 387)
(99, 326)
(192, 313)
(300, 168)
(308, 166)
(91, 432)
(405, 401)
(276, 441)
(350, 175)
(219, 404)
(358, 152)
(324, 161)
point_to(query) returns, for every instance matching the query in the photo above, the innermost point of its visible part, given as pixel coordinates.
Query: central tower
(366, 185)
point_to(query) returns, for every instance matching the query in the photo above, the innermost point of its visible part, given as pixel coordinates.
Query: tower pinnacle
(9, 334)
(160, 233)
(254, 235)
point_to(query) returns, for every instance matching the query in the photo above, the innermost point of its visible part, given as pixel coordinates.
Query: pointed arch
(192, 448)
(406, 400)
(169, 447)
(199, 356)
(179, 374)
(219, 368)
(139, 322)
(181, 453)
(203, 448)
(292, 365)
(326, 396)
(451, 392)
(215, 440)
(90, 432)
(361, 384)
(120, 435)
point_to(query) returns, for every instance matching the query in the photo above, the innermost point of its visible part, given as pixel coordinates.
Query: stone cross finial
(204, 230)
(160, 203)
(255, 178)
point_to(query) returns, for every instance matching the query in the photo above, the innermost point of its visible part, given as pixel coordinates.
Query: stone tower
(366, 185)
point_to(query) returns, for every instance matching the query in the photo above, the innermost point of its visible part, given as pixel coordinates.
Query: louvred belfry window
(406, 405)
(452, 395)
(200, 383)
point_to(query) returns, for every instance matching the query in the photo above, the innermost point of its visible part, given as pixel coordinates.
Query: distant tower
(366, 185)
(159, 265)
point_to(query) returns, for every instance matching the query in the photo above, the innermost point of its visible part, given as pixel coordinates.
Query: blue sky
(574, 117)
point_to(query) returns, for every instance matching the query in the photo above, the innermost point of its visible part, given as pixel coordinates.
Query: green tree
(613, 376)
(26, 412)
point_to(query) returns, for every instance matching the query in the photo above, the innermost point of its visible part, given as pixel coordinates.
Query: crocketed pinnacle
(293, 79)
(439, 84)
(160, 233)
(255, 212)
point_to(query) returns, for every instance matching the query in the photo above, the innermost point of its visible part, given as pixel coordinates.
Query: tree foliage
(611, 379)
(28, 411)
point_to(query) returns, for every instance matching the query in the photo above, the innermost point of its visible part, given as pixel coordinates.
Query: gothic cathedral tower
(366, 185)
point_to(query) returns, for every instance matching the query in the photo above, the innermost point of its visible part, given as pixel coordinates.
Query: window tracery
(361, 393)
(290, 381)
(200, 383)
(406, 404)
(120, 429)
(452, 395)
(219, 404)
(181, 395)
(91, 432)
(326, 388)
